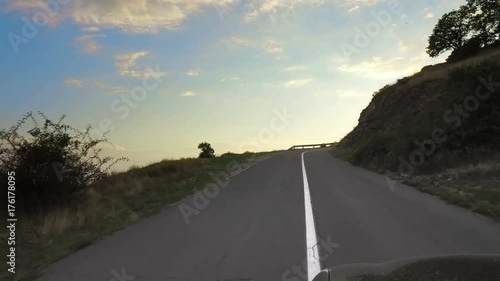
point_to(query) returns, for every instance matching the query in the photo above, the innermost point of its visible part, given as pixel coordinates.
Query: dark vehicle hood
(449, 268)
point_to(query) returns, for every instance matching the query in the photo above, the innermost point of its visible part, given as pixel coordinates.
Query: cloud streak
(297, 83)
(88, 43)
(126, 65)
(193, 72)
(83, 83)
(269, 46)
(295, 68)
(132, 16)
(379, 68)
(188, 94)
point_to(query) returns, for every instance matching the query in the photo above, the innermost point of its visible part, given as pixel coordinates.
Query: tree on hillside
(466, 30)
(206, 150)
(450, 32)
(485, 19)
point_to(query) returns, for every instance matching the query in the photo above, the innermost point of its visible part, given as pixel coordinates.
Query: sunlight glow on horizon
(215, 70)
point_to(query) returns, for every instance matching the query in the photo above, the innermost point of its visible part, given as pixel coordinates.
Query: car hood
(442, 268)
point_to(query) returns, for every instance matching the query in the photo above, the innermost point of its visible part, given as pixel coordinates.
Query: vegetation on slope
(445, 117)
(439, 130)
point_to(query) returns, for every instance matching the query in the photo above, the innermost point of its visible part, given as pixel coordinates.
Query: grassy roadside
(109, 206)
(475, 187)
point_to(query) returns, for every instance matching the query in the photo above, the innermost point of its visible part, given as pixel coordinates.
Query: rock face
(413, 107)
(393, 106)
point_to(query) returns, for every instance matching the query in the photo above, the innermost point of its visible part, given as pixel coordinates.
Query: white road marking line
(313, 265)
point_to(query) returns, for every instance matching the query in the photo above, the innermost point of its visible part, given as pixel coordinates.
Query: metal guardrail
(306, 146)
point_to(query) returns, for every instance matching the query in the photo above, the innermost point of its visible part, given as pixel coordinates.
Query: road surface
(257, 228)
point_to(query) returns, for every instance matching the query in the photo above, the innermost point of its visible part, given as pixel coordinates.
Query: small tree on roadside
(51, 161)
(206, 150)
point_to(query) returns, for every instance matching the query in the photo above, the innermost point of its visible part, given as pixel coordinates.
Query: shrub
(385, 88)
(51, 161)
(206, 150)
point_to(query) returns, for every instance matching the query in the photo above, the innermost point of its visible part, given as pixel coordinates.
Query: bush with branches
(52, 161)
(206, 150)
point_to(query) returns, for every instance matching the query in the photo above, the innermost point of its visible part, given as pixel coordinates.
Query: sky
(164, 75)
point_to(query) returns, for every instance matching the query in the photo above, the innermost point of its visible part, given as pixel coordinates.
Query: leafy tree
(51, 161)
(206, 150)
(466, 30)
(450, 32)
(485, 19)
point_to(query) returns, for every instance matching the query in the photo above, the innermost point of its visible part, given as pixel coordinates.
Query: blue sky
(166, 75)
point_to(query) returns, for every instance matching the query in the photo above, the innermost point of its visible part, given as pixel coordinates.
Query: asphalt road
(255, 229)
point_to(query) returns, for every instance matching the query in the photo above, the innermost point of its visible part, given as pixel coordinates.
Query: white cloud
(81, 83)
(91, 29)
(134, 16)
(30, 7)
(353, 9)
(274, 48)
(405, 47)
(255, 8)
(193, 72)
(188, 94)
(26, 4)
(88, 43)
(126, 66)
(356, 3)
(230, 79)
(239, 41)
(125, 63)
(151, 16)
(429, 15)
(73, 82)
(269, 46)
(294, 68)
(297, 83)
(378, 68)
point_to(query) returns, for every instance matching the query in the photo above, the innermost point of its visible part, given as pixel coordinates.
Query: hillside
(438, 127)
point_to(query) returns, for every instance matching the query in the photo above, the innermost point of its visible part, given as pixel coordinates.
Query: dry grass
(464, 188)
(441, 71)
